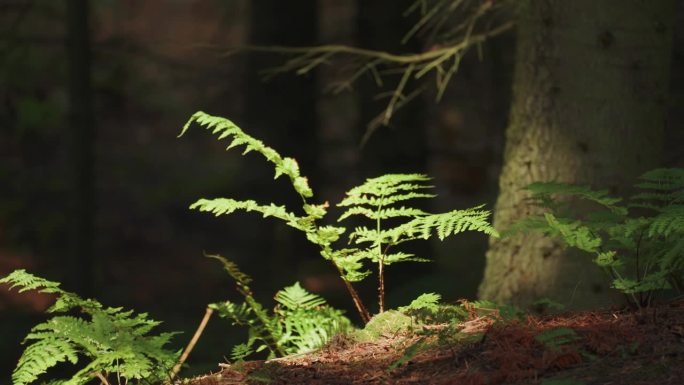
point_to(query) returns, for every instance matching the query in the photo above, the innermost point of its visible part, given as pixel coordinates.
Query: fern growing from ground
(117, 343)
(383, 198)
(378, 199)
(640, 242)
(300, 322)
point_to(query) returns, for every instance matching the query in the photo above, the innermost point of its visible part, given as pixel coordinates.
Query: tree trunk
(282, 113)
(588, 107)
(82, 138)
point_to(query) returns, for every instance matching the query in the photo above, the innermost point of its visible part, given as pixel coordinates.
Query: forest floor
(608, 347)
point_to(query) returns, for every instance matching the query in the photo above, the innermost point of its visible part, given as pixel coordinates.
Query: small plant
(639, 243)
(300, 322)
(379, 199)
(117, 343)
(440, 325)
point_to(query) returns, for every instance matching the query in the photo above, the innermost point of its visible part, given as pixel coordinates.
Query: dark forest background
(97, 196)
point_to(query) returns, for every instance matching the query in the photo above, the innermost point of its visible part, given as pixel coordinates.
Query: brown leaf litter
(643, 347)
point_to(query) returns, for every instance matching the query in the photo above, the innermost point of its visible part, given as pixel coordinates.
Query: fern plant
(300, 322)
(378, 199)
(381, 199)
(639, 242)
(117, 343)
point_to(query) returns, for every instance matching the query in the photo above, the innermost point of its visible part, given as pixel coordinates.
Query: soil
(607, 347)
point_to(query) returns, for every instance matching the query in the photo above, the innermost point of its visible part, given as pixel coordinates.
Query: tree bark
(588, 107)
(82, 135)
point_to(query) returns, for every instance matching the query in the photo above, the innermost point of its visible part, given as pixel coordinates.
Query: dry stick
(191, 344)
(385, 56)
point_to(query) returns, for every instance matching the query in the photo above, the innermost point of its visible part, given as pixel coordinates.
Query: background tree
(589, 103)
(81, 128)
(589, 106)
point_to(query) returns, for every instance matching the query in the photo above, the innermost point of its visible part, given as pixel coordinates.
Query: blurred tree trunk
(401, 147)
(588, 107)
(282, 112)
(338, 114)
(82, 140)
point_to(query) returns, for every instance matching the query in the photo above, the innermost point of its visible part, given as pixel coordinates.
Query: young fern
(322, 236)
(300, 322)
(384, 198)
(379, 199)
(639, 243)
(117, 343)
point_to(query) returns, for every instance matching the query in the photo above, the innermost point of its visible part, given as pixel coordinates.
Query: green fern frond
(386, 213)
(325, 235)
(224, 206)
(26, 281)
(239, 314)
(295, 297)
(113, 340)
(643, 253)
(453, 222)
(41, 356)
(402, 257)
(573, 233)
(387, 190)
(669, 222)
(542, 192)
(240, 352)
(429, 301)
(225, 128)
(350, 262)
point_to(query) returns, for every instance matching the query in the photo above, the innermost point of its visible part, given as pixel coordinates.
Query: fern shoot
(116, 344)
(378, 199)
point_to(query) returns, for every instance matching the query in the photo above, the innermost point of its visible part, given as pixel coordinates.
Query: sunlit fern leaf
(387, 189)
(385, 213)
(350, 262)
(224, 206)
(383, 200)
(296, 297)
(41, 356)
(308, 328)
(402, 257)
(428, 301)
(110, 339)
(225, 128)
(325, 235)
(449, 223)
(26, 281)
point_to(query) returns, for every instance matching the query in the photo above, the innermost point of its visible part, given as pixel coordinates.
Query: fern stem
(381, 284)
(102, 378)
(191, 345)
(381, 262)
(360, 307)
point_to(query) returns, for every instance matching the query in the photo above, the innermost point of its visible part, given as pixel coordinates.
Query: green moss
(391, 322)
